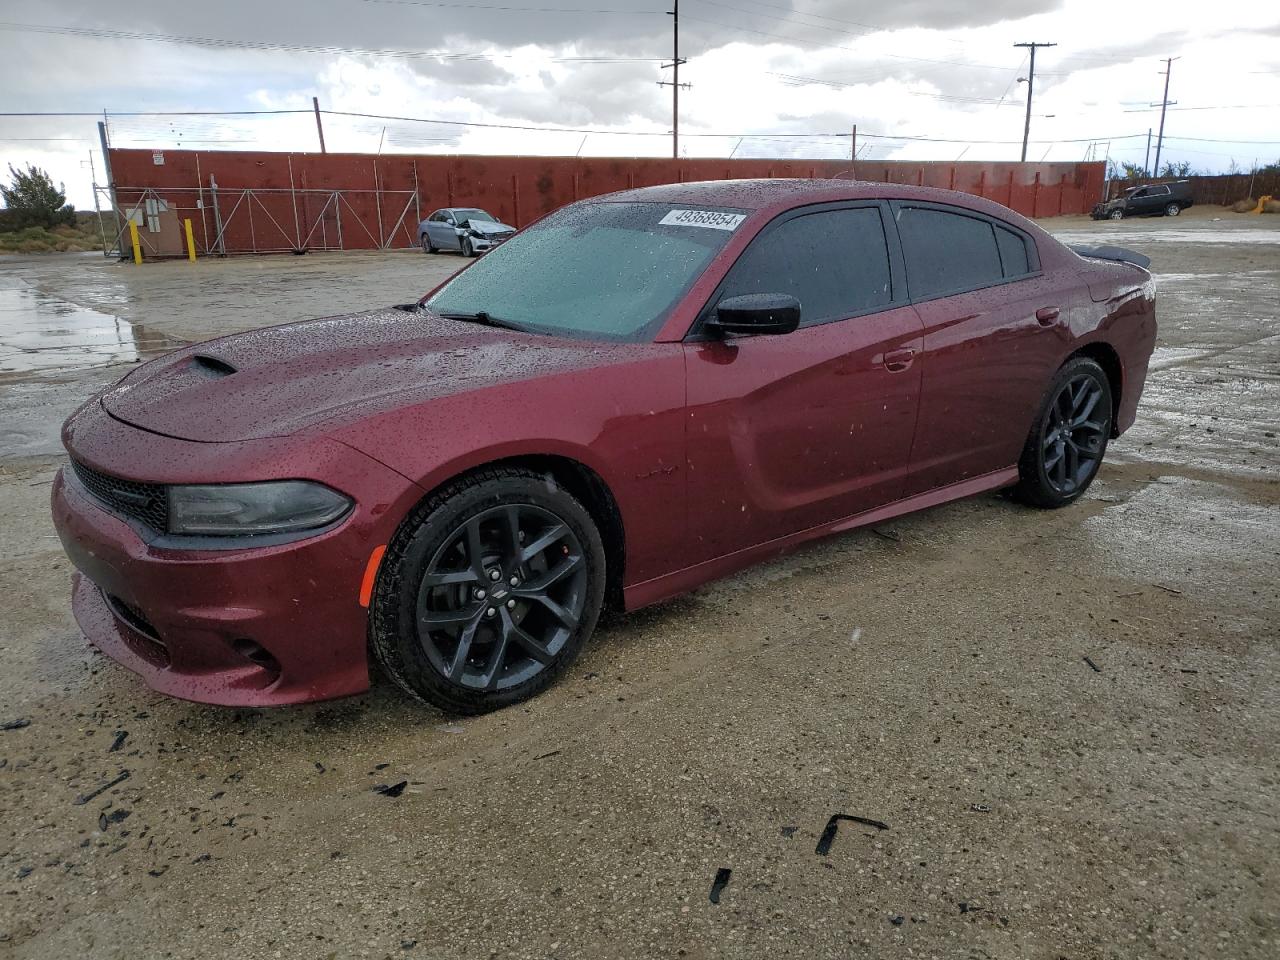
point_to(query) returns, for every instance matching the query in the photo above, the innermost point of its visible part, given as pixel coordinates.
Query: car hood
(490, 226)
(282, 380)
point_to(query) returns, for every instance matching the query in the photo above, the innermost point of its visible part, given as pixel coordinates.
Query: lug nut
(480, 594)
(490, 612)
(511, 604)
(515, 581)
(494, 575)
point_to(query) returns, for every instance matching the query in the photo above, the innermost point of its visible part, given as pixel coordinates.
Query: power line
(795, 80)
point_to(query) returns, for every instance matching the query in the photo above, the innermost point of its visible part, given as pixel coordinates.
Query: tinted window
(947, 251)
(836, 263)
(1013, 253)
(1159, 191)
(608, 271)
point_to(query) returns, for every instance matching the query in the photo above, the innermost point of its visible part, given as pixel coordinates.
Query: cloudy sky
(922, 79)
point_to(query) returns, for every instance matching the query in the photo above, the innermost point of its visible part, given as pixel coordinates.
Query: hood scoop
(211, 367)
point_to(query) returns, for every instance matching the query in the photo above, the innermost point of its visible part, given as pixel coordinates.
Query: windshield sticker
(703, 218)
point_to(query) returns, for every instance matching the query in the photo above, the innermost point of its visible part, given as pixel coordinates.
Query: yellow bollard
(133, 237)
(191, 242)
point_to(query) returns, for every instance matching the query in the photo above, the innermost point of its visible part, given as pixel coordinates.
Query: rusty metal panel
(360, 201)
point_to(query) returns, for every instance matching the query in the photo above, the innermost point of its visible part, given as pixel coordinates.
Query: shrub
(1244, 206)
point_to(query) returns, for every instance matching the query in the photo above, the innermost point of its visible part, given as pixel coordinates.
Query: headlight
(230, 509)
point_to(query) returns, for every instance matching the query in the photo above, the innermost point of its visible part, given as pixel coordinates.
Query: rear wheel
(1172, 210)
(488, 591)
(1069, 438)
(1116, 215)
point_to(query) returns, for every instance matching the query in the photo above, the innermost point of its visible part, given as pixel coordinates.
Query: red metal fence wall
(383, 197)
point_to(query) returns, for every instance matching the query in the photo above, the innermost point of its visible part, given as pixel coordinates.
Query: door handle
(895, 361)
(1046, 315)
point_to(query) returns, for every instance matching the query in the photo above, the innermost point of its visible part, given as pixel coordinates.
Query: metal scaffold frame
(232, 221)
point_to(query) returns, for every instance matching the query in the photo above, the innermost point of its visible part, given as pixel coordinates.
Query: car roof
(774, 195)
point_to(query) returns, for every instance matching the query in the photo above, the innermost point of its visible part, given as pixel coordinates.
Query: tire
(426, 244)
(467, 251)
(1059, 461)
(1116, 215)
(1172, 210)
(526, 642)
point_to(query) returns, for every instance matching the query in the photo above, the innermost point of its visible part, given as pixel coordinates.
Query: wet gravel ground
(1066, 722)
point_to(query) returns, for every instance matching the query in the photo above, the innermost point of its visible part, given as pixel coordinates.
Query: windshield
(599, 271)
(465, 216)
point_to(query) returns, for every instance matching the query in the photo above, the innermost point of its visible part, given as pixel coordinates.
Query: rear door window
(835, 262)
(947, 252)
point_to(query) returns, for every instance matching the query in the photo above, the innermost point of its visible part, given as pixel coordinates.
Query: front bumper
(482, 243)
(259, 626)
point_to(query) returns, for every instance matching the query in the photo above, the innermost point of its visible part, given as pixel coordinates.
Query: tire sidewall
(394, 610)
(1116, 215)
(1172, 210)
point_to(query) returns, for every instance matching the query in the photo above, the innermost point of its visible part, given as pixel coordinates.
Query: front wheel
(467, 249)
(488, 591)
(1069, 438)
(1172, 210)
(1116, 215)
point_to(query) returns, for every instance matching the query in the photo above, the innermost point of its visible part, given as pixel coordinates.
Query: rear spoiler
(1118, 254)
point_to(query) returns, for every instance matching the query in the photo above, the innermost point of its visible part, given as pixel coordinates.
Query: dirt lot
(930, 676)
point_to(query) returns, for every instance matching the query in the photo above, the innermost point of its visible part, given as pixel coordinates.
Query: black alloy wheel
(1065, 448)
(1172, 210)
(501, 597)
(488, 591)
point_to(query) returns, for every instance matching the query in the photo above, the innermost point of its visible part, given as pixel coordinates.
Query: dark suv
(1152, 200)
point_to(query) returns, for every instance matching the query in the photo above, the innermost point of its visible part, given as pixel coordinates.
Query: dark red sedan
(635, 395)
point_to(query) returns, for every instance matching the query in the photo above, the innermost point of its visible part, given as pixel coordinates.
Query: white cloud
(893, 81)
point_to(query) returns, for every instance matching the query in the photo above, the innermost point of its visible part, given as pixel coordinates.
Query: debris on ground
(15, 724)
(115, 816)
(1093, 666)
(829, 834)
(118, 742)
(721, 881)
(979, 808)
(391, 789)
(86, 797)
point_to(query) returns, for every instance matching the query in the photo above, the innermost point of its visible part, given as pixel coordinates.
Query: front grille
(146, 502)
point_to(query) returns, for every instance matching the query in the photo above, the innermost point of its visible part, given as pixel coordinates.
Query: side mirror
(450, 221)
(756, 313)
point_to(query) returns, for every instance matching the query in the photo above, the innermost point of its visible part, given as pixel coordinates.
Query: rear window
(1013, 253)
(947, 252)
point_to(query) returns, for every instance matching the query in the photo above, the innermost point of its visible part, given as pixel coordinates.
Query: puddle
(40, 333)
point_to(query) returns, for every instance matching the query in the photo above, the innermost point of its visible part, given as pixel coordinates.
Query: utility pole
(1164, 105)
(1031, 82)
(1146, 159)
(674, 83)
(315, 105)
